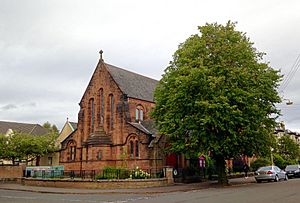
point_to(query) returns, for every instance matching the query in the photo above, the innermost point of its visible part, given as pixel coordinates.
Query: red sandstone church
(114, 126)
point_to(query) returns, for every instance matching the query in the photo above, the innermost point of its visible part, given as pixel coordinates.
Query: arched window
(134, 148)
(99, 155)
(131, 149)
(72, 151)
(137, 149)
(139, 113)
(111, 111)
(91, 115)
(101, 107)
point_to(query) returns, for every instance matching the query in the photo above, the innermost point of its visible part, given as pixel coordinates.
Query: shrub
(259, 163)
(279, 161)
(113, 173)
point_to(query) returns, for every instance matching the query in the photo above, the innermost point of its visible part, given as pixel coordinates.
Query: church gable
(97, 117)
(101, 78)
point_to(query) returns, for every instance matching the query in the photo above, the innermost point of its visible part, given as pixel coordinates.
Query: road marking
(14, 197)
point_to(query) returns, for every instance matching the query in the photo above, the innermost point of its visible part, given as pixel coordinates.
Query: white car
(269, 173)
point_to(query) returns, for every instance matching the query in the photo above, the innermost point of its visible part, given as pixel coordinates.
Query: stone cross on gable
(101, 52)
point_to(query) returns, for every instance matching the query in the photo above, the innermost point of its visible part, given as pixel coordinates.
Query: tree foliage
(51, 128)
(22, 146)
(259, 163)
(288, 148)
(217, 96)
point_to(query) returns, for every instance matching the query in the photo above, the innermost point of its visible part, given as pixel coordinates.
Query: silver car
(270, 173)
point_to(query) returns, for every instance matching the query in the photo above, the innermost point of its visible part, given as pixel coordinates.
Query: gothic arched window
(131, 149)
(72, 151)
(92, 114)
(101, 107)
(136, 149)
(111, 111)
(139, 113)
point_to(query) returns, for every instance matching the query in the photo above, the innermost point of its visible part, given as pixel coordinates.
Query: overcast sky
(49, 49)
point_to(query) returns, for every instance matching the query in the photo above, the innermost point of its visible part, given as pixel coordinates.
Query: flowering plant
(139, 174)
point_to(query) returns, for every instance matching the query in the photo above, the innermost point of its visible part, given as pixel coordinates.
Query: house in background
(8, 127)
(53, 158)
(280, 131)
(114, 126)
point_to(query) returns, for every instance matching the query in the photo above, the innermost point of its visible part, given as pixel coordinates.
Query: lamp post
(272, 162)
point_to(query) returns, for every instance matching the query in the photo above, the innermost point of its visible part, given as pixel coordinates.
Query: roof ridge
(18, 122)
(130, 71)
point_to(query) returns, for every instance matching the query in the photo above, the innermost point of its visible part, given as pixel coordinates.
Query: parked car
(293, 170)
(269, 173)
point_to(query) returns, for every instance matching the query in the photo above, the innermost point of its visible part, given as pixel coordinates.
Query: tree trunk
(221, 166)
(38, 158)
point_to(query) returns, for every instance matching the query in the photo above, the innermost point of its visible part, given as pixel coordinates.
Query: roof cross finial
(101, 52)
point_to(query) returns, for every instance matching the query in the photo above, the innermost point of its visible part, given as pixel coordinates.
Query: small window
(131, 149)
(137, 149)
(136, 114)
(72, 151)
(99, 155)
(141, 115)
(49, 160)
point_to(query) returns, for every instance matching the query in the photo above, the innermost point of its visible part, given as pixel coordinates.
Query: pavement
(177, 187)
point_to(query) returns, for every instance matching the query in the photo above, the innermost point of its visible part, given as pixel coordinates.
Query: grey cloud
(30, 104)
(49, 49)
(8, 107)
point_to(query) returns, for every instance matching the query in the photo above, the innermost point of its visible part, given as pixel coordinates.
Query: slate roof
(74, 125)
(33, 129)
(140, 127)
(133, 84)
(150, 125)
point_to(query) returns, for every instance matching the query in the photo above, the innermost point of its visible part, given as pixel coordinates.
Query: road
(284, 191)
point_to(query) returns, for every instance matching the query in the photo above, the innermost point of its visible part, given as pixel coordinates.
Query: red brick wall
(11, 172)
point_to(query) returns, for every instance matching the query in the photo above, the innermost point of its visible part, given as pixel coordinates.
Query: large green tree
(217, 96)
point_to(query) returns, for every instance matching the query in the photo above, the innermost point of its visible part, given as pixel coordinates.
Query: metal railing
(111, 173)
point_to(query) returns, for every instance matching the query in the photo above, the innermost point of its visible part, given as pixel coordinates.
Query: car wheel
(276, 178)
(286, 177)
(258, 181)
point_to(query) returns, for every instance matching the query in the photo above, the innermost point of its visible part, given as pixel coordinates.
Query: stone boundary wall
(99, 184)
(8, 173)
